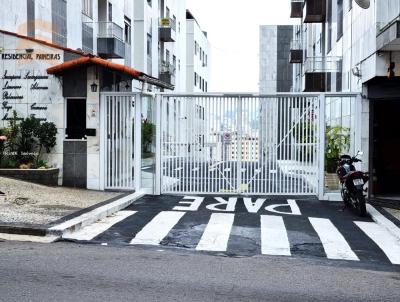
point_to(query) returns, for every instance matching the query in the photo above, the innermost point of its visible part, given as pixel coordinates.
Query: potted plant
(337, 142)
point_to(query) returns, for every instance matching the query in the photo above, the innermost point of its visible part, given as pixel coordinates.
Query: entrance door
(386, 145)
(118, 124)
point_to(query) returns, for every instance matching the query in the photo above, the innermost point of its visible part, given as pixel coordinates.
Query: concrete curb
(23, 230)
(85, 219)
(380, 219)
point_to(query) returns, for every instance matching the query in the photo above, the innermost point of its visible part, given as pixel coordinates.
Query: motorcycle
(352, 182)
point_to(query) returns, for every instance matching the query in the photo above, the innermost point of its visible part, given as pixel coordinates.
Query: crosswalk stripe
(95, 229)
(274, 238)
(387, 242)
(335, 245)
(157, 228)
(216, 235)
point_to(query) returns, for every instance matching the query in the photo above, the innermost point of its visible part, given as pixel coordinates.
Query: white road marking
(195, 169)
(274, 239)
(216, 234)
(95, 229)
(382, 220)
(227, 170)
(157, 228)
(387, 242)
(179, 169)
(335, 245)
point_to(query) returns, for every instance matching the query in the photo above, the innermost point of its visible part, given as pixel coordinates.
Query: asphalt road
(71, 272)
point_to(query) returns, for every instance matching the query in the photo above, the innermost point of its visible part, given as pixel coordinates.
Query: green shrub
(25, 139)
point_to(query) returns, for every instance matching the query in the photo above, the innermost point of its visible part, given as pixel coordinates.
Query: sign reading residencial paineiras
(25, 85)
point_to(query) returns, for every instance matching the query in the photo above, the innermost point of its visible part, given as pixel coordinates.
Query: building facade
(57, 59)
(338, 46)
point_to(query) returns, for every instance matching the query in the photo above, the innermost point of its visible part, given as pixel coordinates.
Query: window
(149, 45)
(31, 18)
(109, 12)
(174, 62)
(167, 12)
(59, 22)
(128, 32)
(195, 47)
(167, 56)
(87, 8)
(339, 19)
(149, 2)
(329, 34)
(179, 64)
(195, 79)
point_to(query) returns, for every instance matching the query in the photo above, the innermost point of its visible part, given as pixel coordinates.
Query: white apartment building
(198, 56)
(75, 51)
(353, 46)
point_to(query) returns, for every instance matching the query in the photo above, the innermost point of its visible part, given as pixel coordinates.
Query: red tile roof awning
(91, 60)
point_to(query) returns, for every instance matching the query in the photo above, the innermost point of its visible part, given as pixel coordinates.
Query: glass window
(128, 33)
(339, 19)
(149, 45)
(110, 12)
(59, 22)
(87, 8)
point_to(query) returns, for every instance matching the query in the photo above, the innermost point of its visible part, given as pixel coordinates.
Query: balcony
(167, 30)
(388, 36)
(296, 52)
(315, 11)
(319, 72)
(296, 9)
(167, 72)
(110, 41)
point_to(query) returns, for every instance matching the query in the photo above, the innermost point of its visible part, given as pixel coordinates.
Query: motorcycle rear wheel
(361, 205)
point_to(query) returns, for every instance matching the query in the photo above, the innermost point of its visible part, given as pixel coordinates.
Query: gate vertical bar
(239, 137)
(158, 175)
(138, 143)
(321, 147)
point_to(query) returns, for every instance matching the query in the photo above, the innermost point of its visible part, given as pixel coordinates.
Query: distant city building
(274, 67)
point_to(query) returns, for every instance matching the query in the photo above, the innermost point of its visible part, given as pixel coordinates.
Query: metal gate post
(321, 147)
(103, 141)
(239, 146)
(158, 164)
(138, 143)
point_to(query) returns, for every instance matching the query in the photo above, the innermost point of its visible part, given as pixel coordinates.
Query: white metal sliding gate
(237, 144)
(118, 145)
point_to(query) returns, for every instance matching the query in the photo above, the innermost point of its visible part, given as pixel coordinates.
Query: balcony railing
(110, 30)
(166, 67)
(110, 39)
(168, 22)
(167, 72)
(296, 9)
(315, 11)
(166, 30)
(296, 44)
(296, 52)
(323, 64)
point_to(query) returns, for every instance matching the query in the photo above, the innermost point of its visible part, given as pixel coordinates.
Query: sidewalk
(32, 209)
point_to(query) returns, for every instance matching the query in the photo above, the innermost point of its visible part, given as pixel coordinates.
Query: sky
(233, 31)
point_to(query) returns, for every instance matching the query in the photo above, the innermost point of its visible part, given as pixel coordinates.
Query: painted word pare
(229, 204)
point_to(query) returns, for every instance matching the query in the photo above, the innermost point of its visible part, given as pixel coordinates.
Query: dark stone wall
(284, 68)
(75, 164)
(75, 83)
(48, 177)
